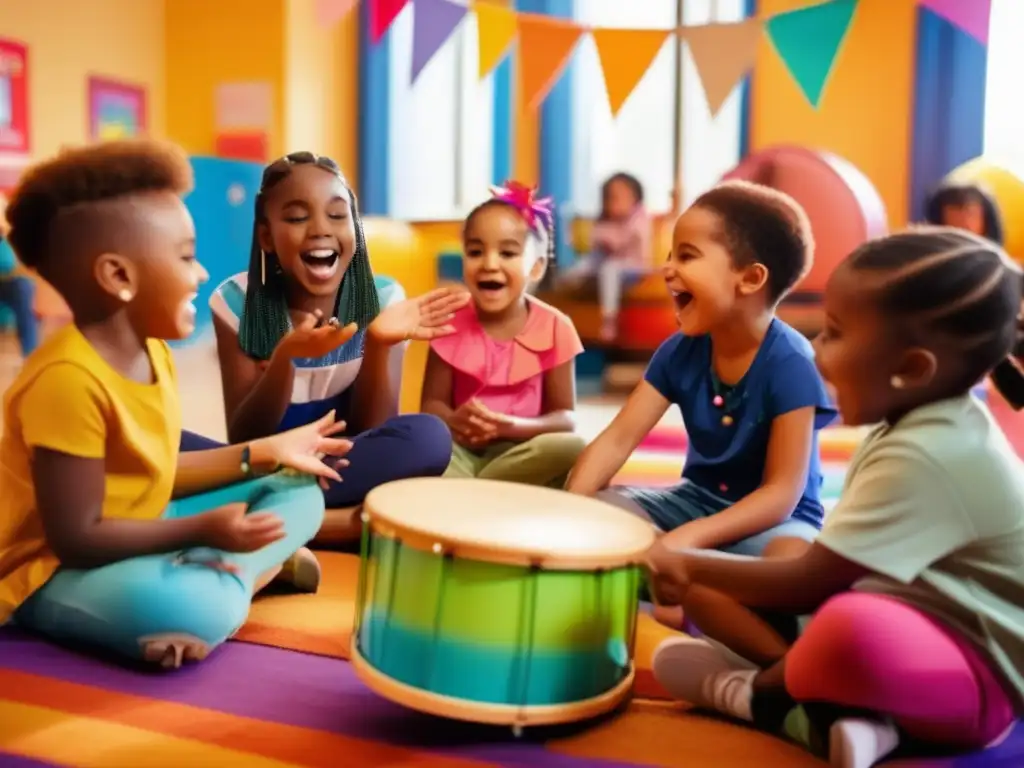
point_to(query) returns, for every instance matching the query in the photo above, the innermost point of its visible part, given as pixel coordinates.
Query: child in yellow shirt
(108, 537)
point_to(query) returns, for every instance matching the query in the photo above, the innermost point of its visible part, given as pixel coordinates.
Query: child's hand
(315, 338)
(669, 579)
(422, 319)
(230, 529)
(301, 449)
(473, 425)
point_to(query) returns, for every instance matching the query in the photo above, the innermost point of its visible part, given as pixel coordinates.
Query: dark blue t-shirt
(728, 459)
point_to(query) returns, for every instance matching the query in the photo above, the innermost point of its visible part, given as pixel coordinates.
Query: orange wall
(67, 42)
(865, 113)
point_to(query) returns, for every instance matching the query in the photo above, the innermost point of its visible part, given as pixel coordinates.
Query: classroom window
(441, 126)
(640, 139)
(1004, 109)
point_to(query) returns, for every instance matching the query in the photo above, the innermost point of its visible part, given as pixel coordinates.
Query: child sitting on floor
(304, 333)
(505, 381)
(746, 384)
(916, 583)
(965, 206)
(92, 548)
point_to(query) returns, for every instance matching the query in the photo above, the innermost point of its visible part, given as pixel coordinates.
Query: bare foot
(669, 615)
(302, 571)
(171, 651)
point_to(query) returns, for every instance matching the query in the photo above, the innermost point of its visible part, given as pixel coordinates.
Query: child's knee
(836, 651)
(430, 442)
(559, 449)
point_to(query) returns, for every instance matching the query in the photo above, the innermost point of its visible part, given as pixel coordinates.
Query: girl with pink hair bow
(505, 381)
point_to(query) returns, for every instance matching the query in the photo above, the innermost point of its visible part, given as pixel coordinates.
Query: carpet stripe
(289, 744)
(47, 734)
(7, 760)
(286, 688)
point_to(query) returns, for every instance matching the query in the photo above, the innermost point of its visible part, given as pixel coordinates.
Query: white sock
(860, 743)
(731, 693)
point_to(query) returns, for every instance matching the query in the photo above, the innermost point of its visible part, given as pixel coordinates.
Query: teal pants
(118, 606)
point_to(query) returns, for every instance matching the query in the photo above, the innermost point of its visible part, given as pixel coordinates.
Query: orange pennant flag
(545, 45)
(495, 29)
(723, 55)
(626, 55)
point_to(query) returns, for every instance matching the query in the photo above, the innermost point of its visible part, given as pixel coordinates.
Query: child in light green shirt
(916, 583)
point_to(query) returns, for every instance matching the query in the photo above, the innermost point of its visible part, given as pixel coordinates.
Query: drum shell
(492, 633)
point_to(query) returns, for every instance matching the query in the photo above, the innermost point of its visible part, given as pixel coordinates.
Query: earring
(263, 267)
(896, 382)
(124, 295)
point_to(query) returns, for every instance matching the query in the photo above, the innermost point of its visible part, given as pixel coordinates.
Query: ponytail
(1008, 377)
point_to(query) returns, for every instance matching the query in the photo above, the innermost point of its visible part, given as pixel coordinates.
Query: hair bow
(524, 199)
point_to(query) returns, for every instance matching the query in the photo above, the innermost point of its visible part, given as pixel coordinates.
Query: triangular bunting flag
(723, 54)
(433, 22)
(545, 45)
(808, 41)
(495, 29)
(971, 16)
(626, 55)
(330, 12)
(382, 15)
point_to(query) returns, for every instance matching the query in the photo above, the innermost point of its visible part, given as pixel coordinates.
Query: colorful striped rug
(258, 707)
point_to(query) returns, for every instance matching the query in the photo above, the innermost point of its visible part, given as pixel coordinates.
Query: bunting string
(809, 41)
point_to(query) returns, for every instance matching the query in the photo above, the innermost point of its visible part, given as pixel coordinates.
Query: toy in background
(497, 603)
(621, 246)
(504, 382)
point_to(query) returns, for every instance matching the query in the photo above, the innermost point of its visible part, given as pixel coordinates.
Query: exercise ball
(1008, 190)
(842, 204)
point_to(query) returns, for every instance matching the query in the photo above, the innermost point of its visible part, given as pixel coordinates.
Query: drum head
(508, 522)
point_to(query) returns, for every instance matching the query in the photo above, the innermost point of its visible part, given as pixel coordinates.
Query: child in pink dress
(505, 381)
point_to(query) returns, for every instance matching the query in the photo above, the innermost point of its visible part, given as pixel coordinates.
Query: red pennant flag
(382, 16)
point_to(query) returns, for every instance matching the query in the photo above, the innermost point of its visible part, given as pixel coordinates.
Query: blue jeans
(18, 292)
(411, 445)
(669, 508)
(119, 606)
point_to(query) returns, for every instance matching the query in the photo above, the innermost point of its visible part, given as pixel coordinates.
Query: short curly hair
(761, 225)
(84, 175)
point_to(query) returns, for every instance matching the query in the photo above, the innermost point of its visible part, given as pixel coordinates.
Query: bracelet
(246, 464)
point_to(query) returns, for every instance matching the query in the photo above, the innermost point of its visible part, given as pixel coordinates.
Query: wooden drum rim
(568, 533)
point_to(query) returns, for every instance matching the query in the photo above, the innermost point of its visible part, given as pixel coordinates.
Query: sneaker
(705, 674)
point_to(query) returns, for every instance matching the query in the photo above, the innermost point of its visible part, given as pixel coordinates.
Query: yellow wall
(67, 42)
(866, 112)
(209, 42)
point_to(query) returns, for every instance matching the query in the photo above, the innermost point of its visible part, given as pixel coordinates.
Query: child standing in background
(916, 584)
(751, 398)
(621, 244)
(304, 333)
(505, 381)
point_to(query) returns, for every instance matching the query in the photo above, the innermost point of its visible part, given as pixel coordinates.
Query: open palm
(423, 318)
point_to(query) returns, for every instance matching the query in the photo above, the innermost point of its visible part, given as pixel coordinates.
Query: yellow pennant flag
(723, 55)
(496, 29)
(545, 45)
(626, 55)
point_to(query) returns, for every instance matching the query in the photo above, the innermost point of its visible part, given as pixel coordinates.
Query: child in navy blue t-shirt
(751, 397)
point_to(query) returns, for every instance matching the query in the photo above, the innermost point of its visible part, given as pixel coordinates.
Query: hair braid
(265, 317)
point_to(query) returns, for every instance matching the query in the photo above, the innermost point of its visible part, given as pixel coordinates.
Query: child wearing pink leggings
(915, 587)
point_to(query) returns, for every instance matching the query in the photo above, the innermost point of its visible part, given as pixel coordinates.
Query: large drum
(497, 603)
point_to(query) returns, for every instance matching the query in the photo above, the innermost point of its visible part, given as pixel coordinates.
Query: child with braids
(916, 583)
(505, 381)
(304, 333)
(107, 536)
